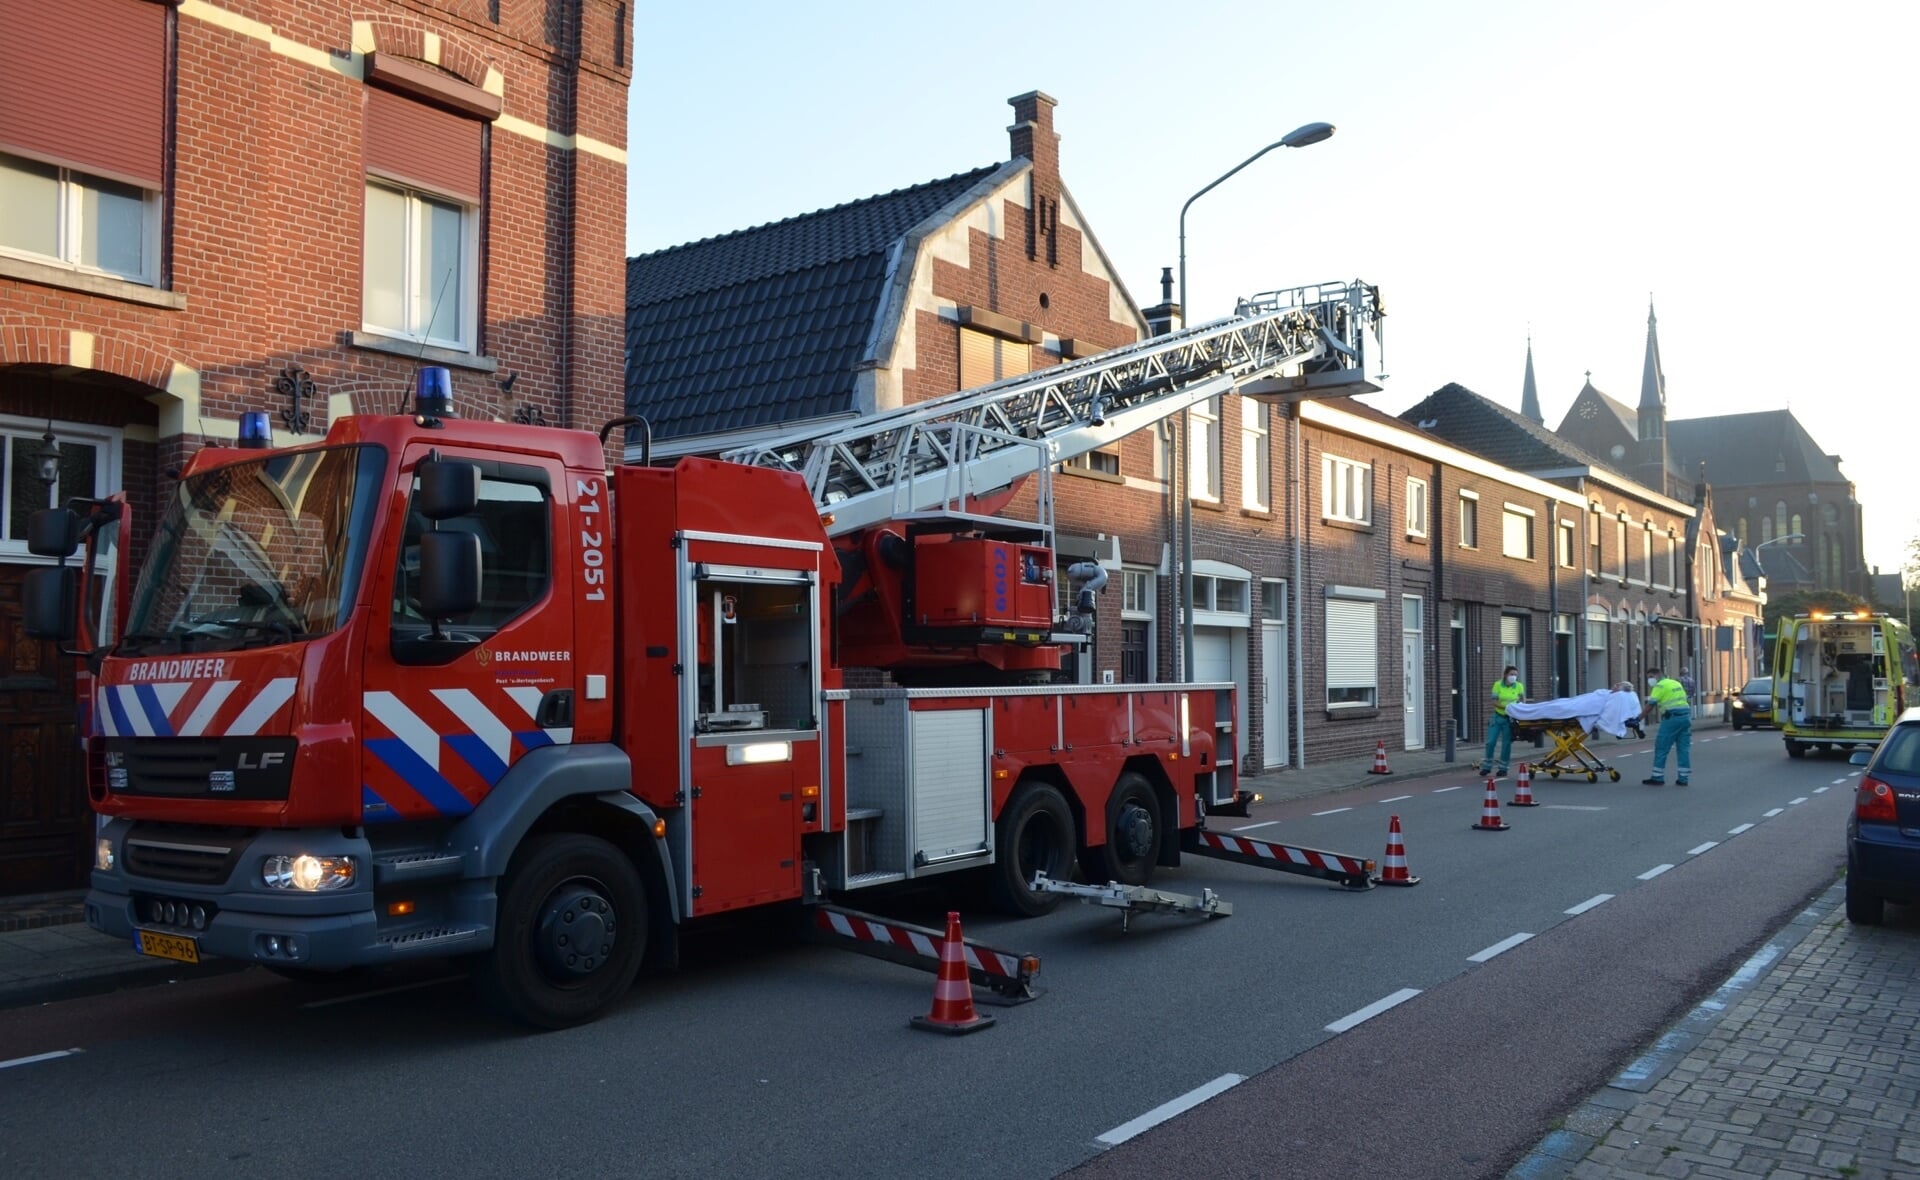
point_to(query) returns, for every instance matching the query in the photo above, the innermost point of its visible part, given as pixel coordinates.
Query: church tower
(1652, 469)
(1529, 393)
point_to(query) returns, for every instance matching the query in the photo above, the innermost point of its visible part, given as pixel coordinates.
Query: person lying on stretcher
(1612, 711)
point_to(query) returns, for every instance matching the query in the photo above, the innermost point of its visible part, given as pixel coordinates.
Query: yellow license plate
(166, 946)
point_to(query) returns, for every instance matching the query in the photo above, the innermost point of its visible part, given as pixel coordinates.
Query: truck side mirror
(47, 601)
(448, 489)
(53, 532)
(449, 573)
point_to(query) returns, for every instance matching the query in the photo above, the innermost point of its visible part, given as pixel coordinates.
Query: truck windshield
(258, 552)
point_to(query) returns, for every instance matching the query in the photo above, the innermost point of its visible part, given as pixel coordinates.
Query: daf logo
(261, 761)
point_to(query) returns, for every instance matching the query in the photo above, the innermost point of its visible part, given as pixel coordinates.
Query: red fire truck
(439, 687)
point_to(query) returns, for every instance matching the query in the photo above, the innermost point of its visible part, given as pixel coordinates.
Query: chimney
(1034, 140)
(1166, 316)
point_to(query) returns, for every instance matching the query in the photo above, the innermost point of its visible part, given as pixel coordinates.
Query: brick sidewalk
(1814, 1071)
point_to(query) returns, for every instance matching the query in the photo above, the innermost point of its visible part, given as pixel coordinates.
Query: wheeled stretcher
(1569, 721)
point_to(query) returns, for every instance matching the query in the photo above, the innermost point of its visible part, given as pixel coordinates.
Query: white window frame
(1203, 451)
(1362, 672)
(1256, 456)
(1417, 507)
(423, 303)
(1567, 542)
(1508, 514)
(1469, 506)
(71, 226)
(1346, 490)
(1139, 603)
(106, 472)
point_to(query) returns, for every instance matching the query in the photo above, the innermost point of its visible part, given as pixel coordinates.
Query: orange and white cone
(1523, 789)
(1379, 759)
(1393, 866)
(953, 1012)
(1490, 820)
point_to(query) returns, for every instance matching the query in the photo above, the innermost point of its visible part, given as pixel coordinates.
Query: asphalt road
(765, 1056)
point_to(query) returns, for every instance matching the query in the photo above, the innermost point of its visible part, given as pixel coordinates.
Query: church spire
(1653, 384)
(1529, 393)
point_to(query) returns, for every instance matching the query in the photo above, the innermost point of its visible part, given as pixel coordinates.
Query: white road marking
(1771, 814)
(1335, 811)
(385, 991)
(1653, 872)
(1167, 1110)
(1702, 848)
(1796, 802)
(1595, 900)
(1821, 790)
(1250, 827)
(39, 1057)
(1505, 944)
(1396, 798)
(1740, 829)
(1444, 790)
(1840, 781)
(1856, 774)
(1569, 807)
(1372, 1010)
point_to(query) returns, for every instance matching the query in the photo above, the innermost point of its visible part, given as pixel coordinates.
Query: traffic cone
(1379, 759)
(1523, 789)
(1393, 866)
(1490, 820)
(953, 1011)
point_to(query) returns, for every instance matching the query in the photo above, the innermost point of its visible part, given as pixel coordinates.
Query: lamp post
(1302, 136)
(46, 463)
(1783, 537)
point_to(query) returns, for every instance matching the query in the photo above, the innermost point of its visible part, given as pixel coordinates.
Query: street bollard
(1450, 736)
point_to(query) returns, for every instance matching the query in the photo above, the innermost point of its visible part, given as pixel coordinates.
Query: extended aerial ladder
(943, 453)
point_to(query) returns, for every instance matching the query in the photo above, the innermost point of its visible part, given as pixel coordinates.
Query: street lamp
(1302, 136)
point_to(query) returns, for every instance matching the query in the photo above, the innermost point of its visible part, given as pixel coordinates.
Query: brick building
(215, 206)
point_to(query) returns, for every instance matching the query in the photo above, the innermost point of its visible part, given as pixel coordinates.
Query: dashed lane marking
(1569, 807)
(37, 1058)
(1167, 1110)
(1335, 811)
(1740, 829)
(1250, 827)
(1840, 781)
(1596, 900)
(1505, 944)
(1696, 851)
(1821, 790)
(1771, 814)
(1796, 802)
(1372, 1010)
(1396, 798)
(1444, 790)
(1653, 872)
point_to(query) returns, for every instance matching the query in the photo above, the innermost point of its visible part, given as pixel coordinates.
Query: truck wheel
(1034, 835)
(1133, 831)
(572, 927)
(1795, 749)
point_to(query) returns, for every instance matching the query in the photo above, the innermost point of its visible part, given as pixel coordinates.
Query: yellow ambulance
(1838, 680)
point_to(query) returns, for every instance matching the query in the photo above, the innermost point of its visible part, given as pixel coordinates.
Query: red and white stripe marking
(1284, 853)
(979, 958)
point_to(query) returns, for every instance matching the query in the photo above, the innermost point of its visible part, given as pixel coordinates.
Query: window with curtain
(421, 249)
(1346, 490)
(1416, 507)
(1469, 521)
(1203, 451)
(1256, 456)
(1516, 533)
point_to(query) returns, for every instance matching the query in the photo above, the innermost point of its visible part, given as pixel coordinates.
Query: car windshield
(258, 552)
(1756, 687)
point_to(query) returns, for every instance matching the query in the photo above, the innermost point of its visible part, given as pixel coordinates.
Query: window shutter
(1353, 649)
(83, 83)
(423, 145)
(1511, 629)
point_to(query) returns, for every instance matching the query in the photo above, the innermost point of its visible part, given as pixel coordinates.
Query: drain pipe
(1298, 639)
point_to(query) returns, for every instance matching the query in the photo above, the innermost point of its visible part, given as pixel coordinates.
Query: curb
(1588, 1124)
(113, 979)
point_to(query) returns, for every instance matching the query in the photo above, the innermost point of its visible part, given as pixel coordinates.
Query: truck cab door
(449, 705)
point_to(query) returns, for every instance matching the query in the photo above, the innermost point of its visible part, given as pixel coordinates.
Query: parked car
(1883, 830)
(1753, 705)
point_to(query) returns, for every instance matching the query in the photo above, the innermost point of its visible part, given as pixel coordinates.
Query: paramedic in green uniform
(1667, 700)
(1506, 691)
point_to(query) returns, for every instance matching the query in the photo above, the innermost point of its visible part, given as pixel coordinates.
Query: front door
(45, 821)
(1273, 694)
(1459, 673)
(1413, 669)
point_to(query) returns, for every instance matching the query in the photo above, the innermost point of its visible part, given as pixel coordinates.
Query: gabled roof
(768, 325)
(1743, 449)
(1629, 417)
(1483, 426)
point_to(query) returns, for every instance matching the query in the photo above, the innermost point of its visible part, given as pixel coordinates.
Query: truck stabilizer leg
(1351, 873)
(1129, 898)
(1007, 976)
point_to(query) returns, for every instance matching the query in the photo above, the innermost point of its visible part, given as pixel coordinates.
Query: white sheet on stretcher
(1603, 709)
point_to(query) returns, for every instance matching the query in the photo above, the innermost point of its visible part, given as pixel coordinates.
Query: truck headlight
(103, 854)
(308, 874)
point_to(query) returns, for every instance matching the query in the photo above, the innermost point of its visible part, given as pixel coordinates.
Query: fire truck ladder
(1131, 898)
(936, 456)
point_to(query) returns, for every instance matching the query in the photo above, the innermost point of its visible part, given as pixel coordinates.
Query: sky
(1502, 170)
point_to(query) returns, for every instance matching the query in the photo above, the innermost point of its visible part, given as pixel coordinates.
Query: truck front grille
(169, 766)
(186, 854)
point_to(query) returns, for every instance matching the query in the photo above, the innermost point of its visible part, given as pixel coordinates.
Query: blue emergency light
(433, 393)
(256, 430)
